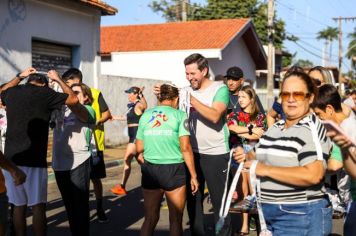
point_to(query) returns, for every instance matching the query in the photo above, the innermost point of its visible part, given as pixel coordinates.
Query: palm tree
(351, 49)
(329, 34)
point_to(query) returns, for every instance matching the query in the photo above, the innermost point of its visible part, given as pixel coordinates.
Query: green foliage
(287, 60)
(351, 49)
(304, 63)
(330, 34)
(225, 9)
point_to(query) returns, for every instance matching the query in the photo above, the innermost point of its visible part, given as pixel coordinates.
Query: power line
(294, 10)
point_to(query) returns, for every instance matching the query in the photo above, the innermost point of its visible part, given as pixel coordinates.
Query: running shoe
(102, 218)
(118, 190)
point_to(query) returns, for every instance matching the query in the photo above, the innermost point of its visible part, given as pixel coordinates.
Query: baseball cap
(234, 73)
(133, 90)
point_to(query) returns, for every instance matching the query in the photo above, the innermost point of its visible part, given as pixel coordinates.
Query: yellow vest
(99, 129)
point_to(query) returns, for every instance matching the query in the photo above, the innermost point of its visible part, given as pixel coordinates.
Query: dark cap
(133, 90)
(234, 73)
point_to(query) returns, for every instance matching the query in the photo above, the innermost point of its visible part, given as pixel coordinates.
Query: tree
(225, 9)
(351, 49)
(304, 63)
(329, 35)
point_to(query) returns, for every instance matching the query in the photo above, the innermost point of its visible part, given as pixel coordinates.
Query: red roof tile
(207, 34)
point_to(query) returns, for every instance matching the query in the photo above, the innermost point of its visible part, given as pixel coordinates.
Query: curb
(109, 164)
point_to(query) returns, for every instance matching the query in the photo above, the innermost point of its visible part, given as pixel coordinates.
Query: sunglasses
(298, 96)
(316, 82)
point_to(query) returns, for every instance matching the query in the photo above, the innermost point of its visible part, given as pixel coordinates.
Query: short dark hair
(328, 95)
(72, 73)
(168, 92)
(201, 61)
(353, 92)
(304, 77)
(39, 78)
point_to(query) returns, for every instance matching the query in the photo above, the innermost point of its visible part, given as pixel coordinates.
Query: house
(51, 35)
(157, 51)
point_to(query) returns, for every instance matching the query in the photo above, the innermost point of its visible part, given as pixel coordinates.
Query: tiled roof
(208, 34)
(106, 9)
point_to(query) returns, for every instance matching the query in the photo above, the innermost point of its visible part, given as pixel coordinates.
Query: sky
(303, 18)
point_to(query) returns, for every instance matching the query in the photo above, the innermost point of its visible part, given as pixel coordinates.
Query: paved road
(125, 213)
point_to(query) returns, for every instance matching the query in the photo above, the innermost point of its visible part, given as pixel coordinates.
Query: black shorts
(97, 166)
(132, 134)
(163, 176)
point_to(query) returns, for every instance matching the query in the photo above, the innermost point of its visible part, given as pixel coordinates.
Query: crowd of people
(299, 166)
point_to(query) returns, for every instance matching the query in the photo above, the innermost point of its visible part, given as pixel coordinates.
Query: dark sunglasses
(298, 96)
(316, 82)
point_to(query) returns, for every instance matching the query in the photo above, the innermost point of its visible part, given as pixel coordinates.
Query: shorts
(97, 166)
(30, 193)
(132, 134)
(3, 208)
(163, 176)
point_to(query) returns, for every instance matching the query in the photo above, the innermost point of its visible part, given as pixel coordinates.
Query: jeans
(306, 219)
(350, 223)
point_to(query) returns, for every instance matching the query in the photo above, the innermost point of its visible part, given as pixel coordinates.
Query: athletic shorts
(97, 166)
(132, 134)
(163, 176)
(3, 208)
(30, 193)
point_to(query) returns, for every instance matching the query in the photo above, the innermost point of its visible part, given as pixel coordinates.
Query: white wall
(53, 21)
(159, 65)
(235, 54)
(168, 65)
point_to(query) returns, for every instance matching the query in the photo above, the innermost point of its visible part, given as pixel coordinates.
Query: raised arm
(18, 78)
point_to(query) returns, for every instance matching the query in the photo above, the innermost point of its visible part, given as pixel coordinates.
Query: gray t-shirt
(206, 137)
(71, 140)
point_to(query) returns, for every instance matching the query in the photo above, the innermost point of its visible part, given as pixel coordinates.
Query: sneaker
(118, 190)
(102, 218)
(252, 224)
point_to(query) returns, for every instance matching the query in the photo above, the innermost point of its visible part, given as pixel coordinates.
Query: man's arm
(17, 174)
(72, 99)
(15, 81)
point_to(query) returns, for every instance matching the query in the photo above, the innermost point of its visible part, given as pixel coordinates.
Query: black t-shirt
(102, 104)
(28, 110)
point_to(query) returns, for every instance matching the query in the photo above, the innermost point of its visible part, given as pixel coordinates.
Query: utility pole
(270, 74)
(339, 20)
(184, 10)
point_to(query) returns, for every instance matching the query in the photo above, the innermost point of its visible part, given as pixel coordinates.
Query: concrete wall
(160, 65)
(112, 88)
(64, 22)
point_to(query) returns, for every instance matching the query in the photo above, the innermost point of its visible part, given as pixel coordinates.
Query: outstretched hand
(53, 75)
(27, 72)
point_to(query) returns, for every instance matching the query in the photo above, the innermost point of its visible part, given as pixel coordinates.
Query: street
(125, 212)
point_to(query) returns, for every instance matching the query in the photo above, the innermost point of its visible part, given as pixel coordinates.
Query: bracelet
(18, 75)
(250, 127)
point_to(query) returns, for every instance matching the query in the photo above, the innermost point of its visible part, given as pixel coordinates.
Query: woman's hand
(194, 184)
(239, 155)
(341, 140)
(261, 168)
(258, 131)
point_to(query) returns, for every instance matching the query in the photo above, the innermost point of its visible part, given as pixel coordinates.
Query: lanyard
(226, 201)
(256, 186)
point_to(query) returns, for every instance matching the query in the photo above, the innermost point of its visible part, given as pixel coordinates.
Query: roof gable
(106, 9)
(209, 34)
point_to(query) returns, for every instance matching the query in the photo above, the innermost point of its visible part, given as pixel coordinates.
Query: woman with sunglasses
(291, 165)
(163, 139)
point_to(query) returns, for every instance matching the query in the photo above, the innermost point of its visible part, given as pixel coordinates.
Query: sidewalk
(112, 157)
